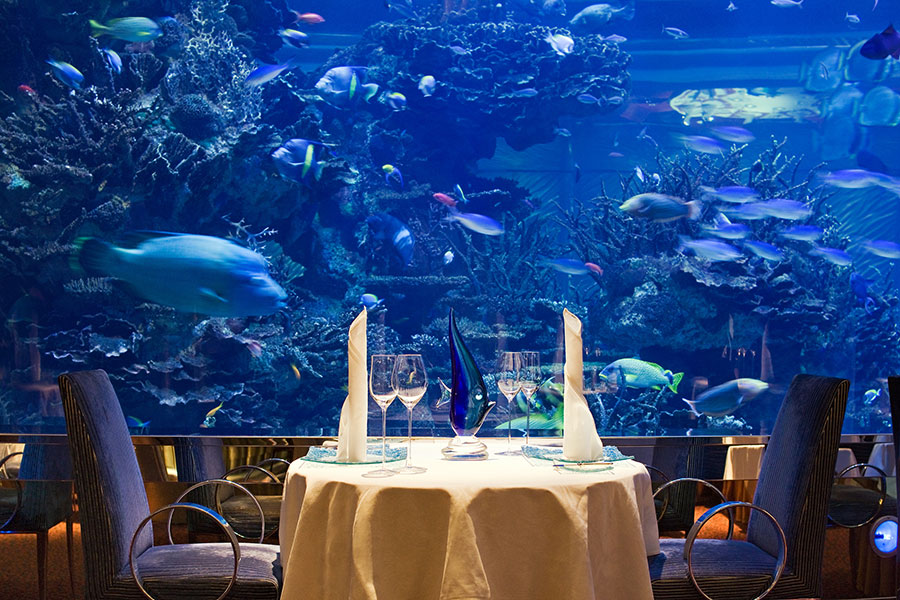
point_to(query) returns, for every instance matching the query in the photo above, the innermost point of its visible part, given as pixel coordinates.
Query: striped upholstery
(794, 485)
(113, 503)
(894, 390)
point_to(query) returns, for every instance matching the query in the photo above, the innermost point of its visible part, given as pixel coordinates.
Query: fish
(524, 93)
(388, 227)
(787, 3)
(596, 16)
(475, 222)
(594, 267)
(459, 192)
(561, 44)
(265, 73)
(726, 398)
(444, 199)
(562, 132)
(309, 18)
(785, 208)
(882, 248)
(852, 178)
(395, 100)
(130, 29)
(113, 59)
(701, 143)
(616, 155)
(458, 50)
(295, 371)
(729, 133)
(614, 38)
(832, 255)
(852, 19)
(294, 38)
(735, 194)
(660, 208)
(403, 7)
(675, 33)
(711, 250)
(803, 233)
(135, 423)
(731, 7)
(66, 73)
(763, 250)
(870, 396)
(859, 285)
(587, 99)
(370, 301)
(392, 172)
(448, 257)
(569, 266)
(341, 86)
(190, 273)
(427, 85)
(639, 173)
(747, 212)
(641, 374)
(210, 420)
(727, 230)
(881, 45)
(296, 160)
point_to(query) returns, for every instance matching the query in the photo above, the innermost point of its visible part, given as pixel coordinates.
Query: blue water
(159, 222)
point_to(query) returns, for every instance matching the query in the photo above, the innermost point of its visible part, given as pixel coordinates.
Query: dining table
(511, 527)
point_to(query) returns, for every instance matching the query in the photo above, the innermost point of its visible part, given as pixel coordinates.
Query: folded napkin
(580, 439)
(352, 429)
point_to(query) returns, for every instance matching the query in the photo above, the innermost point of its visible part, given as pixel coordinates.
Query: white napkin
(580, 438)
(352, 429)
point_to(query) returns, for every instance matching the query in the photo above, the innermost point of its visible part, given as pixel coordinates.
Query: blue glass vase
(469, 401)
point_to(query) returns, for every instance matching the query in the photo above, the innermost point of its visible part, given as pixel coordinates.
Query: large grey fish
(726, 398)
(712, 250)
(190, 273)
(596, 16)
(341, 86)
(660, 208)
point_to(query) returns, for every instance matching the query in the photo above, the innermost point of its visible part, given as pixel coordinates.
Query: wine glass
(531, 379)
(509, 381)
(410, 381)
(383, 388)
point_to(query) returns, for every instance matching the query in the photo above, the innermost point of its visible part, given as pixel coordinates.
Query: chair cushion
(718, 565)
(203, 570)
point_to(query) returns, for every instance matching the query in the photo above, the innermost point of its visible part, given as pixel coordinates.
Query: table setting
(461, 518)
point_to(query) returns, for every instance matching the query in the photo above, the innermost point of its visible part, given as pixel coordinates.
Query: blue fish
(294, 38)
(747, 212)
(342, 86)
(112, 59)
(392, 172)
(785, 208)
(135, 423)
(712, 250)
(569, 266)
(725, 229)
(701, 143)
(386, 227)
(735, 194)
(403, 7)
(296, 160)
(370, 301)
(525, 93)
(130, 29)
(764, 250)
(191, 273)
(395, 100)
(738, 135)
(804, 233)
(477, 223)
(66, 73)
(587, 99)
(882, 248)
(871, 396)
(724, 399)
(832, 255)
(860, 287)
(265, 73)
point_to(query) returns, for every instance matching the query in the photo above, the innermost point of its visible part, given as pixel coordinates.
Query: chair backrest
(797, 473)
(108, 480)
(894, 393)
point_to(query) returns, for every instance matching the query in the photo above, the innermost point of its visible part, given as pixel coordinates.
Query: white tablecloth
(744, 461)
(503, 529)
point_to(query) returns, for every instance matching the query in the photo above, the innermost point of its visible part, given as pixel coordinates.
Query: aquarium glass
(199, 196)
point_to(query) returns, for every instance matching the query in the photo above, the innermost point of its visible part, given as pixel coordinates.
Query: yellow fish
(295, 370)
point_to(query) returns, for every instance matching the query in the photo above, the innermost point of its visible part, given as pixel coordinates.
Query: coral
(195, 117)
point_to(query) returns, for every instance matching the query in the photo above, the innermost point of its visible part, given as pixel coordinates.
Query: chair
(115, 513)
(793, 489)
(894, 392)
(42, 497)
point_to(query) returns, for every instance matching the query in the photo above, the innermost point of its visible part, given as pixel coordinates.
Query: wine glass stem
(409, 438)
(527, 418)
(509, 404)
(383, 433)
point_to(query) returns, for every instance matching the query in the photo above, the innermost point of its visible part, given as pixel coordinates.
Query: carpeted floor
(18, 565)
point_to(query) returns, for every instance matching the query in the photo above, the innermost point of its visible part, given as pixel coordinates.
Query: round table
(507, 528)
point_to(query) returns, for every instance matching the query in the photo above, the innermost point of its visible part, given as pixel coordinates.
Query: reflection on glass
(383, 390)
(531, 379)
(410, 381)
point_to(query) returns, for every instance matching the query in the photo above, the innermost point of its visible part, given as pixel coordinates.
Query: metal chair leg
(42, 564)
(70, 551)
